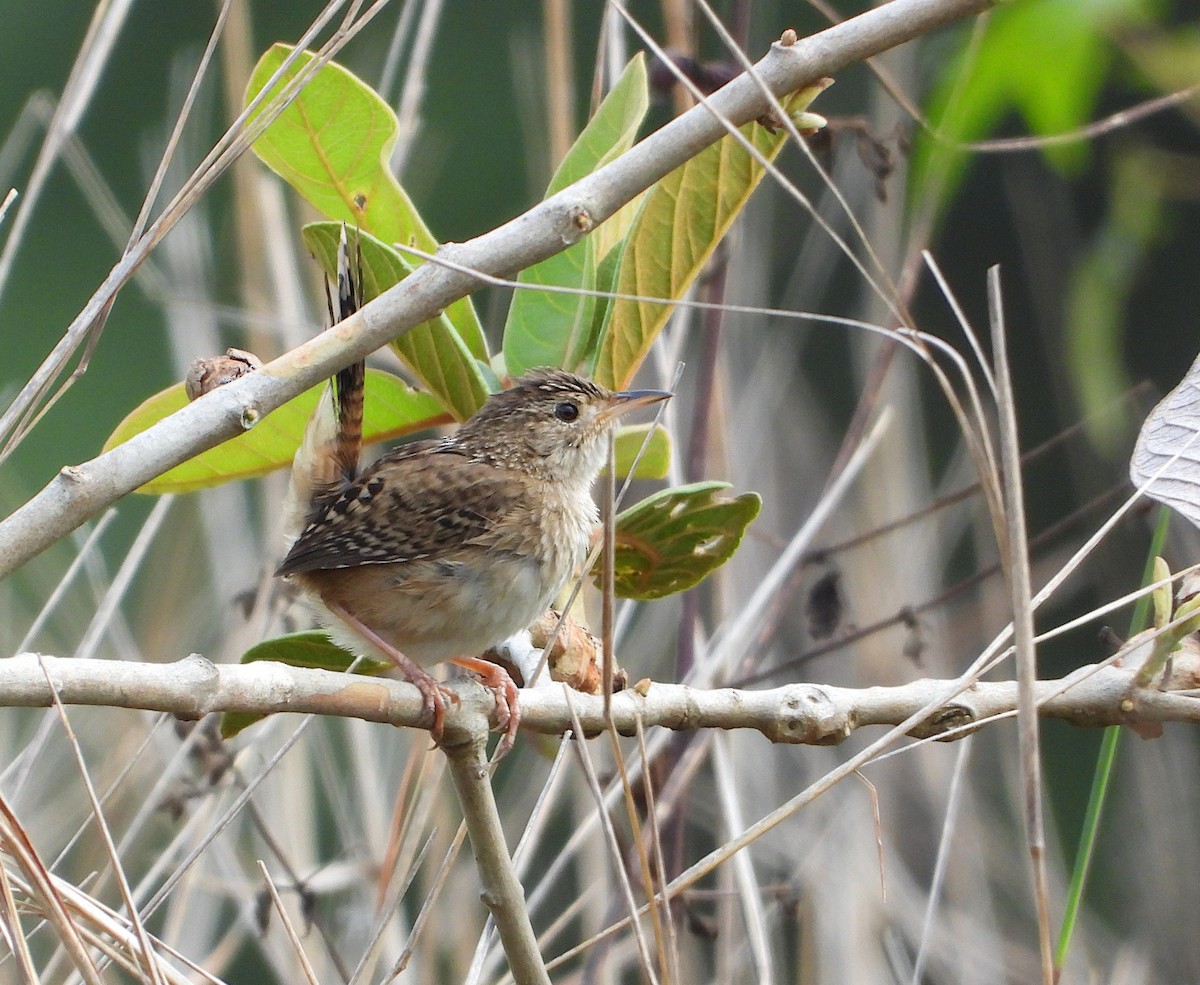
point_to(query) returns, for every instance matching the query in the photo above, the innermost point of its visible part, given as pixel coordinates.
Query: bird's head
(551, 424)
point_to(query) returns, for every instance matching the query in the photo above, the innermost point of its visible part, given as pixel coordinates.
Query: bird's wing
(424, 499)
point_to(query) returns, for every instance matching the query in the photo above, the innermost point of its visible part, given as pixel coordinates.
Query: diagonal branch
(80, 492)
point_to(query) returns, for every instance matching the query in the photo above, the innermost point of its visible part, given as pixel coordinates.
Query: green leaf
(1044, 59)
(1097, 303)
(606, 283)
(433, 350)
(393, 408)
(655, 460)
(312, 649)
(332, 144)
(1162, 596)
(552, 329)
(672, 540)
(683, 218)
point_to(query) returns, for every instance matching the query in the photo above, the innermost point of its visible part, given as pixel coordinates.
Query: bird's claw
(435, 695)
(507, 695)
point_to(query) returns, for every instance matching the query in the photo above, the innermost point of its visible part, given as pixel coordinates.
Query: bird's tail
(328, 457)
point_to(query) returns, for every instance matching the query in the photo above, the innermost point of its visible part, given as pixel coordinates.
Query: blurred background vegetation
(1095, 238)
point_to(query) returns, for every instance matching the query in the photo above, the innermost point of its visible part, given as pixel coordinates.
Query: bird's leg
(508, 711)
(435, 694)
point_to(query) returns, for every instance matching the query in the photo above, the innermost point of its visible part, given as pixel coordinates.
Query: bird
(446, 547)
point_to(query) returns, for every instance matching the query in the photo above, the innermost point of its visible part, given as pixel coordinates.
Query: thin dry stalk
(671, 971)
(388, 907)
(80, 86)
(1021, 590)
(658, 915)
(560, 92)
(880, 281)
(610, 837)
(873, 794)
(885, 291)
(214, 830)
(131, 564)
(14, 933)
(427, 905)
(149, 960)
(953, 802)
(413, 91)
(411, 780)
(293, 937)
(15, 841)
(83, 552)
(749, 894)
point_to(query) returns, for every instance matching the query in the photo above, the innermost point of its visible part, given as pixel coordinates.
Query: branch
(811, 714)
(80, 492)
(501, 887)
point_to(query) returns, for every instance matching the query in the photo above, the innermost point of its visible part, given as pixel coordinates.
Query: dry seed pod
(577, 658)
(208, 374)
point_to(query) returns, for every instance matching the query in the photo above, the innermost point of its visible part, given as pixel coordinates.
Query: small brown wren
(444, 548)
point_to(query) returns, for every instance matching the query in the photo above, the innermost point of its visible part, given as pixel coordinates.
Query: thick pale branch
(80, 492)
(502, 892)
(796, 713)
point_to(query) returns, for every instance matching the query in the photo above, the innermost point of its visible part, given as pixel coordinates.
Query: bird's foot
(433, 693)
(508, 710)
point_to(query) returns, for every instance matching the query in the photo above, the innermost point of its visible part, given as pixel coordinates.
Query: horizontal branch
(80, 492)
(812, 714)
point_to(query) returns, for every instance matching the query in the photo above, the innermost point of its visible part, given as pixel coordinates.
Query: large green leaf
(312, 649)
(671, 541)
(545, 328)
(1044, 59)
(434, 350)
(681, 221)
(332, 144)
(393, 408)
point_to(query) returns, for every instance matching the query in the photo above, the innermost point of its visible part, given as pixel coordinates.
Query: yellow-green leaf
(393, 408)
(312, 649)
(655, 460)
(547, 328)
(671, 541)
(332, 144)
(433, 350)
(681, 221)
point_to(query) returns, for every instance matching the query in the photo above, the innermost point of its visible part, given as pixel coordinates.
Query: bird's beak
(627, 400)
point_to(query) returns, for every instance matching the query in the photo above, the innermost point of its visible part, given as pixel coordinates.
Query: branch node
(952, 718)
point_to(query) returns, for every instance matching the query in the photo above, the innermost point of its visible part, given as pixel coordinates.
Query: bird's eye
(566, 411)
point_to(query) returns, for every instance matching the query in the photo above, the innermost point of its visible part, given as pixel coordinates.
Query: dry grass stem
(1021, 591)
